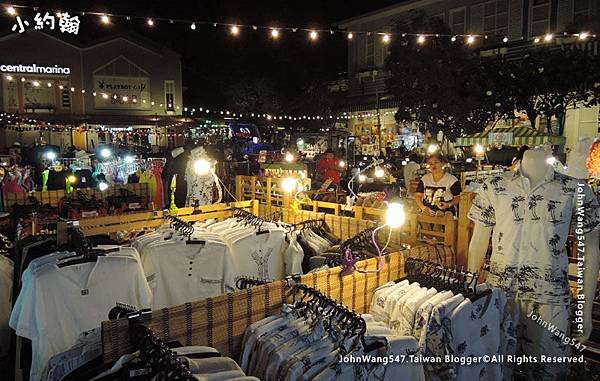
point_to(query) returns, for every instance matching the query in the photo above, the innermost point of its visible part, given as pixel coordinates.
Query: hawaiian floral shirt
(531, 226)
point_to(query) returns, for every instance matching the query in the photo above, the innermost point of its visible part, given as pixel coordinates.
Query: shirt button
(190, 268)
(191, 262)
(189, 274)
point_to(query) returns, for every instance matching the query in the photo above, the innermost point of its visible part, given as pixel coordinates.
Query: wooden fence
(54, 197)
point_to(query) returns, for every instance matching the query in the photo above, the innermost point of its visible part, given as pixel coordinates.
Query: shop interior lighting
(379, 172)
(583, 35)
(386, 38)
(104, 19)
(342, 164)
(11, 11)
(9, 77)
(313, 35)
(289, 157)
(350, 36)
(72, 179)
(150, 22)
(421, 40)
(505, 39)
(51, 155)
(479, 149)
(105, 153)
(404, 162)
(235, 30)
(36, 84)
(548, 37)
(470, 40)
(193, 26)
(275, 33)
(362, 178)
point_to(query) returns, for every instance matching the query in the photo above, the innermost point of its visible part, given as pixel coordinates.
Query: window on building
(170, 95)
(65, 95)
(540, 17)
(495, 18)
(370, 49)
(581, 9)
(458, 20)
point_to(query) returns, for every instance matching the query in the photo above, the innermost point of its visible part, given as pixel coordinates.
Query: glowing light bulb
(385, 38)
(235, 30)
(342, 164)
(379, 172)
(11, 11)
(72, 179)
(202, 167)
(479, 150)
(49, 84)
(313, 35)
(275, 33)
(125, 98)
(470, 40)
(105, 19)
(102, 186)
(505, 39)
(193, 26)
(289, 157)
(22, 79)
(583, 35)
(548, 37)
(432, 148)
(404, 162)
(350, 36)
(35, 84)
(395, 215)
(421, 40)
(150, 22)
(51, 155)
(536, 40)
(128, 159)
(453, 38)
(9, 77)
(551, 160)
(289, 184)
(362, 178)
(104, 96)
(105, 153)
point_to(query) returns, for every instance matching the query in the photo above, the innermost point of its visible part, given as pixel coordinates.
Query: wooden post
(255, 210)
(450, 231)
(315, 206)
(239, 188)
(252, 187)
(464, 228)
(358, 212)
(269, 193)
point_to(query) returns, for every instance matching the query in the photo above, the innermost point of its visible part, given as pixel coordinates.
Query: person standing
(438, 191)
(328, 167)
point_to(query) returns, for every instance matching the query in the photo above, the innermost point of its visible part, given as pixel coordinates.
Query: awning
(512, 136)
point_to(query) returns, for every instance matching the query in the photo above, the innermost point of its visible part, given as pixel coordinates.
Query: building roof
(392, 10)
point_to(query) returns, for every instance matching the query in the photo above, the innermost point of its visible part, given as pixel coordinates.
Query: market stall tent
(512, 136)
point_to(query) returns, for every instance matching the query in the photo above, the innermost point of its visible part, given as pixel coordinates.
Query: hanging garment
(73, 299)
(159, 198)
(6, 284)
(199, 187)
(176, 165)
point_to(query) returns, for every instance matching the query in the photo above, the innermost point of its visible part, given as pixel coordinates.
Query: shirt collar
(548, 176)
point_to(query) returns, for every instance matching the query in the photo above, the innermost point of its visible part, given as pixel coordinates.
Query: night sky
(213, 61)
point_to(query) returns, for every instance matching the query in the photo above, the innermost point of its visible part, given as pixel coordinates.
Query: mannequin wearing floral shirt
(199, 187)
(530, 212)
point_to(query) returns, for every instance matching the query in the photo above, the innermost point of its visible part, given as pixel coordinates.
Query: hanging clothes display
(176, 165)
(449, 316)
(67, 293)
(6, 284)
(199, 187)
(159, 197)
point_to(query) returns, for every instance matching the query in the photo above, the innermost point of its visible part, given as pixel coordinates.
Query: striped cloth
(521, 136)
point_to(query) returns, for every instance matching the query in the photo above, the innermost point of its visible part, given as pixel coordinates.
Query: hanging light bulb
(275, 33)
(386, 38)
(104, 19)
(505, 39)
(421, 40)
(35, 84)
(362, 178)
(49, 84)
(583, 35)
(548, 37)
(235, 30)
(470, 40)
(11, 10)
(536, 40)
(394, 215)
(202, 167)
(289, 184)
(432, 148)
(379, 172)
(350, 36)
(313, 35)
(193, 26)
(102, 186)
(453, 38)
(289, 157)
(479, 149)
(150, 22)
(342, 164)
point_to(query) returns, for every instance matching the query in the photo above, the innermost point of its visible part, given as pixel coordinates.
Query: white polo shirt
(60, 303)
(179, 273)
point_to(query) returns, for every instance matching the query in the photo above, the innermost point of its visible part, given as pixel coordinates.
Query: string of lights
(200, 111)
(275, 31)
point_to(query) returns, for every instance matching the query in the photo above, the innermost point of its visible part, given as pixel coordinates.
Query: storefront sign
(66, 23)
(35, 69)
(116, 92)
(500, 138)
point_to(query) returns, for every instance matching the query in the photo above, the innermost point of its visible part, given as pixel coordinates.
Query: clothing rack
(359, 240)
(308, 224)
(243, 282)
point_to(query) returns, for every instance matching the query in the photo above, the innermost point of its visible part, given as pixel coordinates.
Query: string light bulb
(432, 148)
(470, 40)
(583, 35)
(11, 11)
(104, 19)
(421, 40)
(386, 38)
(150, 22)
(453, 38)
(379, 172)
(548, 37)
(193, 26)
(49, 84)
(289, 157)
(234, 30)
(275, 33)
(505, 39)
(313, 35)
(9, 77)
(350, 36)
(536, 40)
(36, 84)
